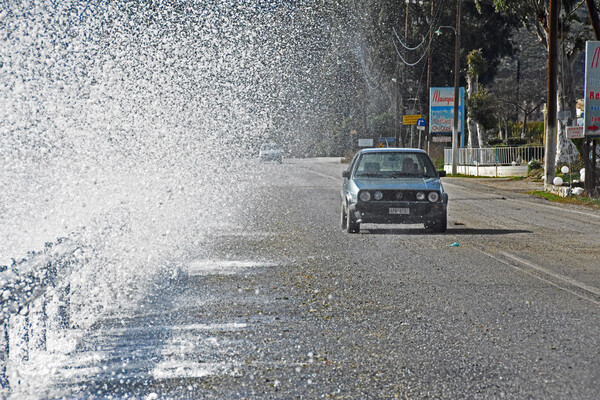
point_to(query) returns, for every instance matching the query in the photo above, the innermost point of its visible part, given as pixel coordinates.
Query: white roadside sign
(365, 142)
(575, 132)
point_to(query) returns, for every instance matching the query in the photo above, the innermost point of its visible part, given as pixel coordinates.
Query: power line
(366, 74)
(405, 46)
(408, 63)
(433, 23)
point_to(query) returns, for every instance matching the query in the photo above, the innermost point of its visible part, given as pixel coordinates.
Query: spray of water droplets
(127, 126)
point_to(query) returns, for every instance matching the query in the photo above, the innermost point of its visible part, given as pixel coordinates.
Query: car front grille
(407, 195)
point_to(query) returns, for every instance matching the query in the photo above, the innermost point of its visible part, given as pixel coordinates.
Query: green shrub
(439, 163)
(533, 165)
(515, 141)
(535, 131)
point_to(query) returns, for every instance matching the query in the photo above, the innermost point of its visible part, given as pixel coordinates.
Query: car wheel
(351, 225)
(441, 225)
(438, 226)
(343, 217)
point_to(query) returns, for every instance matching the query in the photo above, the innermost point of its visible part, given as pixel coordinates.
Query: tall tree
(477, 66)
(573, 33)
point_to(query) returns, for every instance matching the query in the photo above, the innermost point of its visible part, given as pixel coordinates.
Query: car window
(269, 146)
(390, 164)
(369, 165)
(427, 168)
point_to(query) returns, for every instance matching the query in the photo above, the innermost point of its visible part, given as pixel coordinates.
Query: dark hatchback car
(393, 186)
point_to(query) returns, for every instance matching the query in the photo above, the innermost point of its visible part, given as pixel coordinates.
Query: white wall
(495, 171)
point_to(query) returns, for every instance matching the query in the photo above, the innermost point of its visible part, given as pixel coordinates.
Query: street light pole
(456, 89)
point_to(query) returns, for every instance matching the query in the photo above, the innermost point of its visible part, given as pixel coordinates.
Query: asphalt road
(285, 305)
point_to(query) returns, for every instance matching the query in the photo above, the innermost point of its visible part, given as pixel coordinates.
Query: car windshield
(269, 146)
(394, 165)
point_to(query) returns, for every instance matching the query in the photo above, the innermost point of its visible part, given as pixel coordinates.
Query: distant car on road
(270, 152)
(393, 186)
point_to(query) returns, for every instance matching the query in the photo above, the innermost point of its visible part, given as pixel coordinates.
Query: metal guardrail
(34, 298)
(44, 296)
(495, 155)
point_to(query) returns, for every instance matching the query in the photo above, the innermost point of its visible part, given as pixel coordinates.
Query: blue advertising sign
(441, 112)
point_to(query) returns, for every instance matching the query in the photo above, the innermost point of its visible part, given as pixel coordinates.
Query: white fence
(495, 156)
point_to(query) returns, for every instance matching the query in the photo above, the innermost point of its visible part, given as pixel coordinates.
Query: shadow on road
(473, 231)
(450, 231)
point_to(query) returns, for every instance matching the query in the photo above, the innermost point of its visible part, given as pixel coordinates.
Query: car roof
(392, 150)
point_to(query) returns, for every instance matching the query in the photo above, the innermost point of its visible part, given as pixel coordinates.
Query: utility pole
(550, 150)
(456, 90)
(403, 70)
(364, 110)
(517, 93)
(429, 75)
(397, 104)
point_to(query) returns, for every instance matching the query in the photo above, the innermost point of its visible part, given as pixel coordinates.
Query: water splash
(127, 127)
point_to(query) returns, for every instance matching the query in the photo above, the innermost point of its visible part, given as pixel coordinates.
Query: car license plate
(399, 210)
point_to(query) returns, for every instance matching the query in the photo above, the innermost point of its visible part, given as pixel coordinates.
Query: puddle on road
(187, 351)
(188, 354)
(177, 369)
(236, 234)
(190, 327)
(223, 267)
(142, 347)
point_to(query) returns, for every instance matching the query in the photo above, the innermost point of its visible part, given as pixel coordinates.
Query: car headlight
(399, 195)
(433, 197)
(378, 195)
(364, 196)
(420, 196)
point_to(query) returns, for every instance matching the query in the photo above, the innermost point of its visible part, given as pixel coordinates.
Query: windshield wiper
(400, 174)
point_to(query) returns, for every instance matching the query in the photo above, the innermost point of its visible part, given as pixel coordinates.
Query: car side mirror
(441, 174)
(346, 174)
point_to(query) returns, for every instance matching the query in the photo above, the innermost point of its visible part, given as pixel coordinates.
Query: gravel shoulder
(515, 185)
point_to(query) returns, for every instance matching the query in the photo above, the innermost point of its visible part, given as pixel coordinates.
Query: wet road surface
(286, 305)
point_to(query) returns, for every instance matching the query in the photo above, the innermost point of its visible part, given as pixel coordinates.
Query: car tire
(343, 217)
(351, 225)
(441, 225)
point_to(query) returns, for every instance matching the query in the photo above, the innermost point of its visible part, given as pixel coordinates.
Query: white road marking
(567, 280)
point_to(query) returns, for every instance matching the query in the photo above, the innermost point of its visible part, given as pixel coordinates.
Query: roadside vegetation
(582, 201)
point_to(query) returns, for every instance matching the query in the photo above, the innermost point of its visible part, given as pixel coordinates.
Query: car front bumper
(413, 212)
